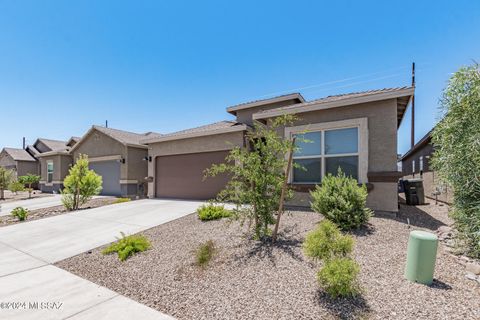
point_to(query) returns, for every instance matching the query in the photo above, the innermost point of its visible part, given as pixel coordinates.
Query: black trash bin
(414, 194)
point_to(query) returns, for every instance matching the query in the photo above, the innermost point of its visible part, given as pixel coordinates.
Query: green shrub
(341, 200)
(456, 159)
(80, 185)
(326, 242)
(212, 212)
(128, 245)
(122, 200)
(338, 277)
(205, 253)
(20, 213)
(16, 186)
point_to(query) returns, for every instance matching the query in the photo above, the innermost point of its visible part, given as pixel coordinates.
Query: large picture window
(49, 172)
(324, 151)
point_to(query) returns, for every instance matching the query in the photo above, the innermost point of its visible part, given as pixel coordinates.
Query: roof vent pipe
(23, 143)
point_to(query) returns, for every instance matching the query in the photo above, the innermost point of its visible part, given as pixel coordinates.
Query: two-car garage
(179, 161)
(182, 176)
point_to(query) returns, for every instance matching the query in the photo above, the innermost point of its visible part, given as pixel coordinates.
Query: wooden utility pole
(412, 142)
(284, 190)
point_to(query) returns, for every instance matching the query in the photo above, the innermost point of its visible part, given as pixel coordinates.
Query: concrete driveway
(31, 204)
(28, 250)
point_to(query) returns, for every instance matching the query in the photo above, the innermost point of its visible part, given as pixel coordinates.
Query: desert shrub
(204, 253)
(210, 211)
(127, 246)
(457, 154)
(80, 185)
(122, 200)
(326, 242)
(20, 213)
(338, 277)
(16, 186)
(341, 200)
(257, 176)
(5, 179)
(29, 180)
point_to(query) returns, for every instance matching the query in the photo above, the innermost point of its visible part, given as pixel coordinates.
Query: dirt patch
(253, 280)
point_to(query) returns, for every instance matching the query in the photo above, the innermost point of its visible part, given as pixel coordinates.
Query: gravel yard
(248, 280)
(22, 195)
(54, 211)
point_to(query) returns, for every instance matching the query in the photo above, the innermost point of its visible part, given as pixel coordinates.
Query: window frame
(48, 173)
(362, 145)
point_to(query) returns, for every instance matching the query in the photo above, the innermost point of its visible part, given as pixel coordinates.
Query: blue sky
(168, 65)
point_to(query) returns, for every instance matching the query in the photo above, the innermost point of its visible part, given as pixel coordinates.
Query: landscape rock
(470, 276)
(473, 268)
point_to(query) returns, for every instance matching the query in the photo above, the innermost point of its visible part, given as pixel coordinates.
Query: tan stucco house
(19, 160)
(55, 162)
(118, 156)
(357, 132)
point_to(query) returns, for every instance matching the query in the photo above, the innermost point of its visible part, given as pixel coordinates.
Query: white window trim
(360, 123)
(53, 169)
(420, 163)
(413, 166)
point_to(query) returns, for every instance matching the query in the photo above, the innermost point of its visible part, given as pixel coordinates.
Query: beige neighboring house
(55, 161)
(118, 156)
(19, 160)
(356, 132)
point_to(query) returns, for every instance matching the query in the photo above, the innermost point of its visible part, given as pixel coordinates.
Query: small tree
(80, 185)
(29, 180)
(456, 139)
(5, 178)
(257, 175)
(16, 186)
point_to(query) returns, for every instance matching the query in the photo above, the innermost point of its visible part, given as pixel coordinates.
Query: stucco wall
(98, 144)
(424, 151)
(7, 161)
(193, 145)
(26, 167)
(61, 166)
(137, 166)
(382, 146)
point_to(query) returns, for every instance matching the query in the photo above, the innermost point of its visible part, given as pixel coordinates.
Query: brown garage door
(181, 176)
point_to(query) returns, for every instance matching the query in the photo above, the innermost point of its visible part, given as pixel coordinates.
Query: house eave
(308, 107)
(236, 128)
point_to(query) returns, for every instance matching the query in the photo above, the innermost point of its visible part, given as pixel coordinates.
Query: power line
(335, 81)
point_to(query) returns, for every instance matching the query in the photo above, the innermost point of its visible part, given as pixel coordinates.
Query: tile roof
(54, 145)
(200, 131)
(126, 137)
(338, 97)
(19, 154)
(254, 103)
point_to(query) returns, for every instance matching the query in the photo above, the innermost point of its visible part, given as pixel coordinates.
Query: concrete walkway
(31, 204)
(28, 250)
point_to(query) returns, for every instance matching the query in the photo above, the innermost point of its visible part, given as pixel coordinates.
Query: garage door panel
(181, 176)
(110, 172)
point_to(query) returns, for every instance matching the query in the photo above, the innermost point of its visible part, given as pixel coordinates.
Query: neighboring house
(357, 132)
(118, 156)
(18, 160)
(55, 161)
(416, 164)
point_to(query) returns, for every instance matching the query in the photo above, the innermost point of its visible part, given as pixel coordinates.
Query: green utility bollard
(421, 255)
